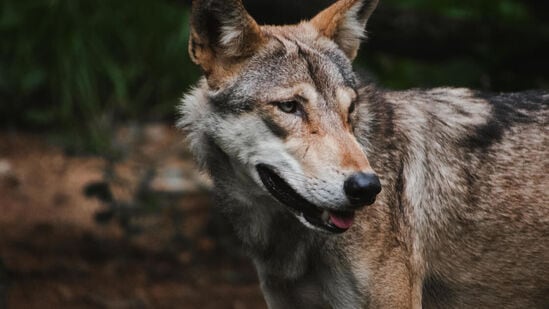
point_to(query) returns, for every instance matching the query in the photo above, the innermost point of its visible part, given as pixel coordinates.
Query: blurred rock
(180, 178)
(8, 178)
(5, 167)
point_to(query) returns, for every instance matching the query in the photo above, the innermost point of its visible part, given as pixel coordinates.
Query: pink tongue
(342, 222)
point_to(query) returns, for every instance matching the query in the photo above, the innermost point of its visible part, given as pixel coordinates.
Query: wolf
(346, 195)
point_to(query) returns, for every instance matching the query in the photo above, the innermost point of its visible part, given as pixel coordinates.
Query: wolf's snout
(362, 188)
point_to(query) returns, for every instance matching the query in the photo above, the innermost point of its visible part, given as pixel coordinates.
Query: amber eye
(289, 107)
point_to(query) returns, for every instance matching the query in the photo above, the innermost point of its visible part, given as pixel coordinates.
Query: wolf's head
(279, 103)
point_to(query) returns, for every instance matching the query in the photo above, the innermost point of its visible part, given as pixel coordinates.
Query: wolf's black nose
(361, 188)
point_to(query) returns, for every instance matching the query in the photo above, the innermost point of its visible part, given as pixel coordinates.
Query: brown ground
(56, 255)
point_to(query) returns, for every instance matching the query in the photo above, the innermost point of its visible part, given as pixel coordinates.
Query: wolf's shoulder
(505, 106)
(476, 118)
(529, 99)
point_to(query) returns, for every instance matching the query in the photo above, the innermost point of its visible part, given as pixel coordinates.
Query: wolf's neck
(298, 267)
(270, 234)
(275, 239)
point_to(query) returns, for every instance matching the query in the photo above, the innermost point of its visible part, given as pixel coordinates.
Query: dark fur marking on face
(344, 67)
(310, 68)
(278, 52)
(274, 127)
(339, 61)
(228, 103)
(508, 111)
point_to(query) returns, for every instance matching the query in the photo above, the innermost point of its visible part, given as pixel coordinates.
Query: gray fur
(463, 218)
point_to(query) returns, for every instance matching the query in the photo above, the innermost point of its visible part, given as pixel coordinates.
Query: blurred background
(101, 205)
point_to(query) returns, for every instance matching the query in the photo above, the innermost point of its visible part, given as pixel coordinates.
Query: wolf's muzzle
(362, 188)
(331, 220)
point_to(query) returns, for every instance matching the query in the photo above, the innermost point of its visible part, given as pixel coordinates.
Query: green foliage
(402, 73)
(76, 66)
(485, 44)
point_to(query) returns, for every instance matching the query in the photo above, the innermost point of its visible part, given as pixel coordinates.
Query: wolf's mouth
(329, 220)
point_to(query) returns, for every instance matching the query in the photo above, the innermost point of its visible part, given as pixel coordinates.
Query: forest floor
(62, 249)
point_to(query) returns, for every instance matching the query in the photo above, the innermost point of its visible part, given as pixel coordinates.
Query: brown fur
(462, 220)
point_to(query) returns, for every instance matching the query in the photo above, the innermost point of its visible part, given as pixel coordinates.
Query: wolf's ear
(222, 34)
(344, 22)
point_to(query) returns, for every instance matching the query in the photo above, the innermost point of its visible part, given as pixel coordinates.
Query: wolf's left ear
(222, 35)
(344, 22)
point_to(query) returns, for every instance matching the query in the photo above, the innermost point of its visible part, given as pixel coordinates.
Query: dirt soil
(57, 252)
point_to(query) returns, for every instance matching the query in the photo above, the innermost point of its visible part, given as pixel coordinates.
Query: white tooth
(325, 216)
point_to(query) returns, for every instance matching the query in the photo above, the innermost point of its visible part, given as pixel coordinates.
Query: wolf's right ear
(222, 35)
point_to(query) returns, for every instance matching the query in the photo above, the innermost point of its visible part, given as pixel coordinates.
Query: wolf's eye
(289, 107)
